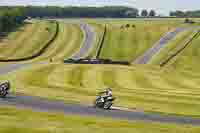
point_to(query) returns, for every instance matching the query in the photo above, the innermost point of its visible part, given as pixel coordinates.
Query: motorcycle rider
(105, 99)
(107, 92)
(4, 88)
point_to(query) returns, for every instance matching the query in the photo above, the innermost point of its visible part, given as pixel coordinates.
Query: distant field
(27, 40)
(147, 88)
(129, 43)
(171, 47)
(188, 60)
(21, 120)
(68, 41)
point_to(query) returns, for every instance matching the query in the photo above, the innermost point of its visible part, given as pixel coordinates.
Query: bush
(189, 21)
(127, 25)
(47, 29)
(133, 26)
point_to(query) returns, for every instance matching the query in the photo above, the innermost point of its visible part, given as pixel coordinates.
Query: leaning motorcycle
(104, 102)
(4, 89)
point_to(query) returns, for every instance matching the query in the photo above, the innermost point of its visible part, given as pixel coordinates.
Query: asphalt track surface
(144, 59)
(88, 41)
(44, 105)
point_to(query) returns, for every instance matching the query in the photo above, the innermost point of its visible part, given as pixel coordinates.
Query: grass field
(129, 43)
(68, 42)
(147, 88)
(171, 47)
(188, 60)
(21, 120)
(143, 87)
(27, 40)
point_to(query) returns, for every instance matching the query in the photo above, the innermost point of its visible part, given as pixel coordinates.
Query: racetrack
(84, 50)
(39, 104)
(144, 59)
(45, 105)
(88, 42)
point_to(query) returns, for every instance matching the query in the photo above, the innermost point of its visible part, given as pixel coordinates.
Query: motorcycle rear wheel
(3, 94)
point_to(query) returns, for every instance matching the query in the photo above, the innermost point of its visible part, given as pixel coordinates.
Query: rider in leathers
(107, 92)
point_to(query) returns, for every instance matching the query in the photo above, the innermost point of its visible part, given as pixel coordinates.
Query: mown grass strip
(188, 42)
(19, 120)
(38, 52)
(140, 87)
(128, 43)
(67, 42)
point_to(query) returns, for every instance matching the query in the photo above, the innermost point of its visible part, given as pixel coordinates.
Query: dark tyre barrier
(40, 52)
(162, 64)
(101, 43)
(96, 61)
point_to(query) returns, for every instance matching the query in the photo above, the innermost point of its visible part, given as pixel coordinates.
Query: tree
(132, 13)
(10, 17)
(127, 25)
(144, 13)
(152, 13)
(178, 14)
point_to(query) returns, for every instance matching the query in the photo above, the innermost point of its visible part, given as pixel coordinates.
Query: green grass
(171, 47)
(68, 41)
(27, 40)
(21, 120)
(143, 87)
(130, 43)
(32, 37)
(147, 87)
(188, 60)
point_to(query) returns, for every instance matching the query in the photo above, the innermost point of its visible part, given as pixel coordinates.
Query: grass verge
(21, 120)
(147, 88)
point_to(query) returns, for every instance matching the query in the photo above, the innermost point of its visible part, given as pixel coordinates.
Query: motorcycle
(4, 89)
(104, 102)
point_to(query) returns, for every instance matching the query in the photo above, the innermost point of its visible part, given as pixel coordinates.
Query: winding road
(41, 104)
(144, 59)
(84, 50)
(88, 41)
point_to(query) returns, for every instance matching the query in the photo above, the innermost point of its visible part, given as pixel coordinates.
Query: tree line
(179, 13)
(10, 17)
(93, 12)
(70, 12)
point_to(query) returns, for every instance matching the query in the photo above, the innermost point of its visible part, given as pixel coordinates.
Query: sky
(161, 6)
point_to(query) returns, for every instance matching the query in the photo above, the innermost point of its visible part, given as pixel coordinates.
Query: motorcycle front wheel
(107, 105)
